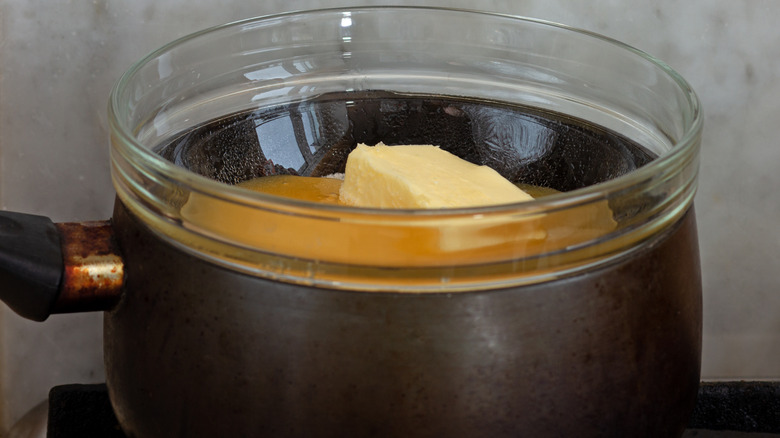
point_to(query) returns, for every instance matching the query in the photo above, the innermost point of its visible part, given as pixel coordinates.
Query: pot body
(247, 314)
(194, 349)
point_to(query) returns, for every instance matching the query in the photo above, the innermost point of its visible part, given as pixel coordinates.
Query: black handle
(31, 264)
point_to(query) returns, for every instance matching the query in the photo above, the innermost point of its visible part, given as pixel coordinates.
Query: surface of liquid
(326, 189)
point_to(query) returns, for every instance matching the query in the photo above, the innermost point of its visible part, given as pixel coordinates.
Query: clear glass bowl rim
(549, 203)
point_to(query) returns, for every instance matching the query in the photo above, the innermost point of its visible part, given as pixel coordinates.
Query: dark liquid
(314, 137)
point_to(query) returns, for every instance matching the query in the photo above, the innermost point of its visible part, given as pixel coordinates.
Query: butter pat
(421, 176)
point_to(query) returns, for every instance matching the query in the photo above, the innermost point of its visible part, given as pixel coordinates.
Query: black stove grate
(740, 406)
(81, 411)
(744, 408)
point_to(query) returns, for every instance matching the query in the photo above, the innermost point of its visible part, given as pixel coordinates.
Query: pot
(230, 312)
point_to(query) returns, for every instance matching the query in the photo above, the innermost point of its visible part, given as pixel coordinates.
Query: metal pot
(234, 313)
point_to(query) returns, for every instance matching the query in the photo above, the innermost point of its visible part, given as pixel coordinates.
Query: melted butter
(305, 188)
(326, 190)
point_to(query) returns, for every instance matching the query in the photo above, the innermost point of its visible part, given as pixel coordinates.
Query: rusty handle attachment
(93, 271)
(48, 268)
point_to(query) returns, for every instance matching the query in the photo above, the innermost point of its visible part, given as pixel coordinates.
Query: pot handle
(48, 268)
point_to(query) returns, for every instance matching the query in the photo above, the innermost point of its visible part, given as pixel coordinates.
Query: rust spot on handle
(94, 270)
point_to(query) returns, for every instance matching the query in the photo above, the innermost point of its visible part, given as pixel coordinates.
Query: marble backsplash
(59, 59)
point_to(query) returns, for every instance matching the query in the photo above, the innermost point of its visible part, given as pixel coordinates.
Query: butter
(421, 177)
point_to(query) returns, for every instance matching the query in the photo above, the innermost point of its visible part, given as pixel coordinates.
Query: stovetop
(723, 410)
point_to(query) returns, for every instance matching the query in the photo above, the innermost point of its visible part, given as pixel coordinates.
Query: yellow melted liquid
(326, 190)
(305, 188)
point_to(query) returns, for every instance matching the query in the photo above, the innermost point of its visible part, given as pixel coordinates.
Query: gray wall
(58, 60)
